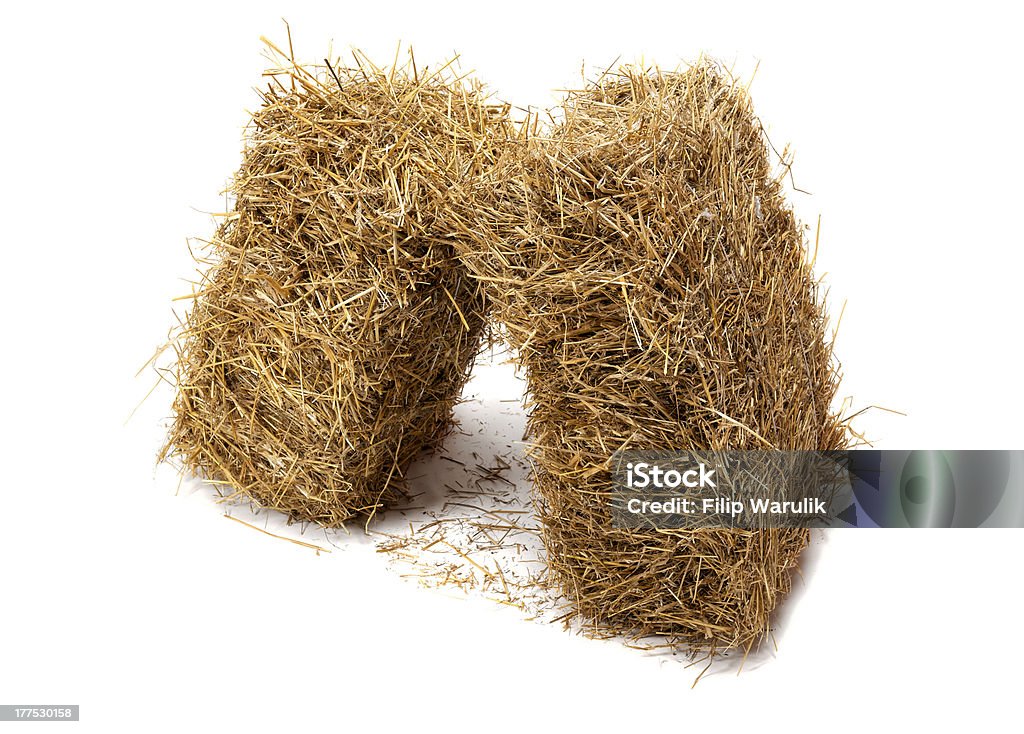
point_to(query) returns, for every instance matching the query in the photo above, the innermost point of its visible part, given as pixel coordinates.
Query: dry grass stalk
(645, 265)
(332, 332)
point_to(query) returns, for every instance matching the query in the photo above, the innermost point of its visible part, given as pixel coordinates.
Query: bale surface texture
(332, 330)
(647, 269)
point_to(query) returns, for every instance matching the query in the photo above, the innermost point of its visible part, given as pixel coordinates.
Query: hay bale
(648, 271)
(333, 331)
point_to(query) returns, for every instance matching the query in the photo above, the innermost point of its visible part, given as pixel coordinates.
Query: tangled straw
(333, 330)
(642, 260)
(638, 255)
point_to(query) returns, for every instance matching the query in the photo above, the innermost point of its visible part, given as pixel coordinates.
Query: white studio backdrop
(136, 599)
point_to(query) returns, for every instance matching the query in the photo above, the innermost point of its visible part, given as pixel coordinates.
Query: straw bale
(333, 328)
(642, 260)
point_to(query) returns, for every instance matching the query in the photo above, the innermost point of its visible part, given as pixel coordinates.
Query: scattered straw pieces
(470, 526)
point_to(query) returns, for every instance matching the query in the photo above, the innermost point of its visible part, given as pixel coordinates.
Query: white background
(120, 125)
